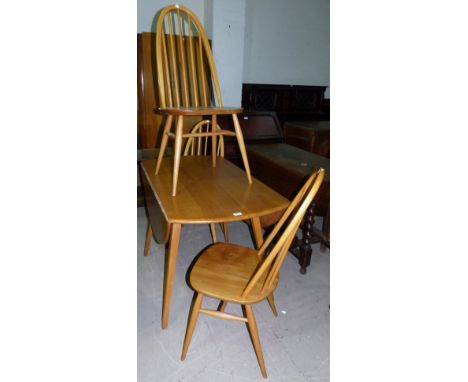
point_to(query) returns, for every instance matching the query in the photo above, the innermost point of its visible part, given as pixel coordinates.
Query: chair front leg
(252, 325)
(191, 323)
(165, 137)
(177, 153)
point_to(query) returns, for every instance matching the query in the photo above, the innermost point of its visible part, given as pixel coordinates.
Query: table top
(207, 194)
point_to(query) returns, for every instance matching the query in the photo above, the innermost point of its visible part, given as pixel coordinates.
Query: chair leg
(149, 237)
(255, 339)
(213, 140)
(165, 137)
(213, 233)
(177, 153)
(271, 301)
(222, 306)
(225, 229)
(191, 323)
(240, 141)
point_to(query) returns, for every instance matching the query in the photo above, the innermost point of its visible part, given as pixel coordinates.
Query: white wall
(260, 41)
(147, 9)
(228, 25)
(287, 42)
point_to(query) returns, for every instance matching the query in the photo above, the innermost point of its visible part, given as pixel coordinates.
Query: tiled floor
(295, 345)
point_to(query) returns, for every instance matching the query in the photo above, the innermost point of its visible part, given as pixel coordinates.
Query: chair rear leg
(255, 339)
(240, 141)
(192, 321)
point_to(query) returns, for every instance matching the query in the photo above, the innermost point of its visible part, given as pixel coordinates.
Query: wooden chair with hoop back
(199, 145)
(241, 275)
(188, 84)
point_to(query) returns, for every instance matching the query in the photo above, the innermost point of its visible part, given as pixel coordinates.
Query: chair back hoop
(199, 145)
(272, 263)
(186, 70)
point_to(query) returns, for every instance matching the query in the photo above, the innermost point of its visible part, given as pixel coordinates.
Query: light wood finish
(257, 231)
(149, 237)
(176, 68)
(245, 276)
(205, 195)
(222, 306)
(271, 302)
(150, 123)
(177, 153)
(191, 323)
(170, 272)
(252, 324)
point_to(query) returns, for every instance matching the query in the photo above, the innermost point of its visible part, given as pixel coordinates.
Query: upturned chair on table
(188, 84)
(241, 275)
(198, 145)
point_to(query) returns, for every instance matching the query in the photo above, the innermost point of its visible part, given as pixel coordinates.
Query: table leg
(169, 273)
(149, 237)
(257, 231)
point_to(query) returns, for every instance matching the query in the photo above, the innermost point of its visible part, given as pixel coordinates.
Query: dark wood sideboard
(289, 102)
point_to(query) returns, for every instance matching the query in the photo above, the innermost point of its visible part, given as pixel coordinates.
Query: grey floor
(296, 344)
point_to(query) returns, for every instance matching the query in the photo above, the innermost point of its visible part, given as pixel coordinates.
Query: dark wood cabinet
(289, 102)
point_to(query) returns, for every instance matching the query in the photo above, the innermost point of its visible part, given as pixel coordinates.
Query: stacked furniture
(284, 168)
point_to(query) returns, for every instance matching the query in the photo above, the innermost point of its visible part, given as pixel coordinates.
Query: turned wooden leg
(177, 153)
(271, 302)
(191, 323)
(240, 140)
(252, 325)
(307, 231)
(213, 232)
(165, 137)
(169, 273)
(326, 230)
(149, 237)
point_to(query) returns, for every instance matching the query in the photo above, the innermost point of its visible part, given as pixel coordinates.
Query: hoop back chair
(198, 145)
(241, 275)
(188, 84)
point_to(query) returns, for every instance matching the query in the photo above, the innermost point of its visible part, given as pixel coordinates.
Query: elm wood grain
(284, 168)
(175, 67)
(235, 274)
(206, 195)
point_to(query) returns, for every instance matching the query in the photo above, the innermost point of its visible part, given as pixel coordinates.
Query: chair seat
(223, 270)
